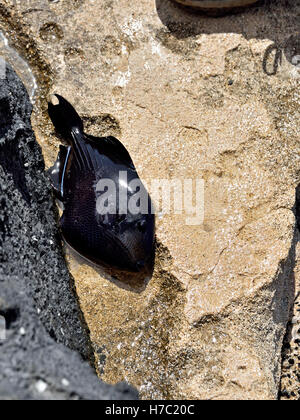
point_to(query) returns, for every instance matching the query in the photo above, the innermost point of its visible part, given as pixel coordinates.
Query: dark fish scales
(118, 236)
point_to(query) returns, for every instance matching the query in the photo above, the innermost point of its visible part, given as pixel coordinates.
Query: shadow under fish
(108, 216)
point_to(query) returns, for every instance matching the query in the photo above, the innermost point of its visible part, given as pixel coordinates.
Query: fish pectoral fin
(58, 170)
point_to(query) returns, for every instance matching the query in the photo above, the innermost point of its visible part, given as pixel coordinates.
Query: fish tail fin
(63, 116)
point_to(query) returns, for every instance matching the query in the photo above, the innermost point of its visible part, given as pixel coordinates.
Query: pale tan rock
(189, 98)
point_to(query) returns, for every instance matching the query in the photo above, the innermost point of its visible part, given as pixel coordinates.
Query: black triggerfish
(108, 216)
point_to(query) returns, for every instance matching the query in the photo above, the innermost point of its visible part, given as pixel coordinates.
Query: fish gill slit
(64, 172)
(80, 156)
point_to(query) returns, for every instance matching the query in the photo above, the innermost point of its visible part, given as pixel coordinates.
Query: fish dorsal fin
(114, 148)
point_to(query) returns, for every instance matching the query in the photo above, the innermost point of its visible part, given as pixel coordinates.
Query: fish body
(95, 179)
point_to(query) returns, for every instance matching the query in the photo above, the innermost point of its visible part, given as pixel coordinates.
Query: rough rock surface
(290, 378)
(190, 96)
(37, 302)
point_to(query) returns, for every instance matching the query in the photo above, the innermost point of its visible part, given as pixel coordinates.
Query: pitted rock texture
(290, 378)
(192, 97)
(37, 303)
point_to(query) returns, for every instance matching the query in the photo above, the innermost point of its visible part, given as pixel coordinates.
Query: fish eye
(141, 225)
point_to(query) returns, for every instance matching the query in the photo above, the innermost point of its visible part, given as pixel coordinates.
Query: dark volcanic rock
(36, 290)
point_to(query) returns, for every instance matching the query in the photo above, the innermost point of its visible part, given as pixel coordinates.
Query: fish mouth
(146, 265)
(140, 265)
